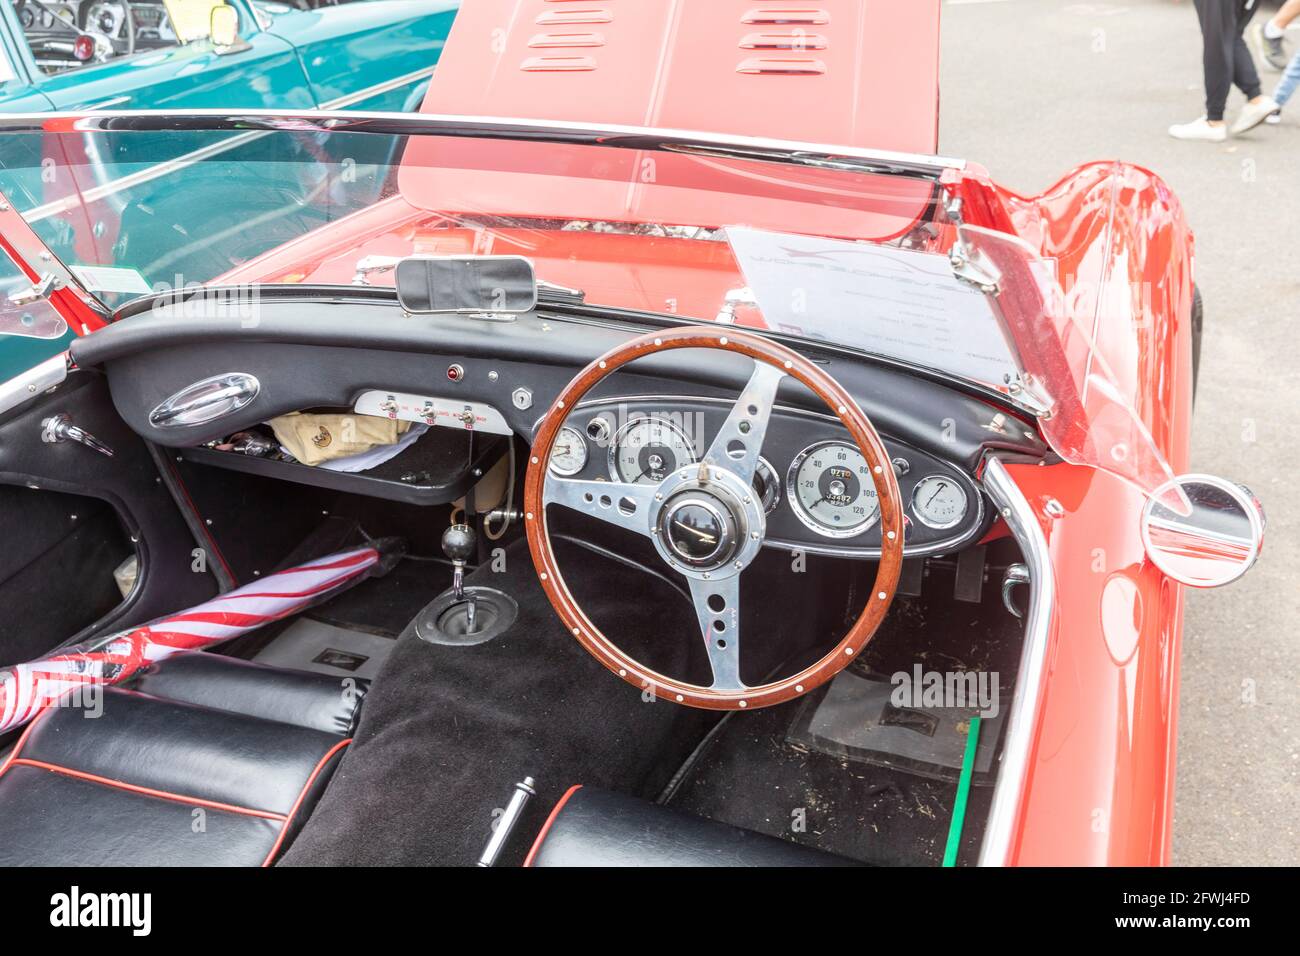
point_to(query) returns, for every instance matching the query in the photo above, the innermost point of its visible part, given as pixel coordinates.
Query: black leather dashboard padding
(315, 701)
(326, 346)
(594, 827)
(145, 781)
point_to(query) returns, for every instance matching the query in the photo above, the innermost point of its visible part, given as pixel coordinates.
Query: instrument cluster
(814, 483)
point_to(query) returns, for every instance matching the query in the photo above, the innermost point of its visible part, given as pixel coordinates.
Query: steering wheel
(705, 520)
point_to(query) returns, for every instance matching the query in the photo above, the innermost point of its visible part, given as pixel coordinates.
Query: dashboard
(813, 482)
(462, 375)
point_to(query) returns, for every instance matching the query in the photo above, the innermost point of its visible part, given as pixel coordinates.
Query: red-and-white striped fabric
(27, 688)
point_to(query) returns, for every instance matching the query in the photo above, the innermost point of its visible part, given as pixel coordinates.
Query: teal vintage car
(161, 54)
(116, 55)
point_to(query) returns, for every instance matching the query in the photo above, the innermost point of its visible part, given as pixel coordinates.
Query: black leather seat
(201, 760)
(590, 827)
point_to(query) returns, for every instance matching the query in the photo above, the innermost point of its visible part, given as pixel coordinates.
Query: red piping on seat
(546, 827)
(13, 754)
(284, 828)
(146, 791)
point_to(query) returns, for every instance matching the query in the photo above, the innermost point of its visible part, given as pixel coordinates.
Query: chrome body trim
(32, 382)
(718, 145)
(1022, 715)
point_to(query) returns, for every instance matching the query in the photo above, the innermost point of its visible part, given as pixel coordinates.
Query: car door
(372, 54)
(94, 540)
(262, 71)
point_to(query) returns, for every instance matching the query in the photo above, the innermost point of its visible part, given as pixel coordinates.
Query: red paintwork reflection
(1101, 778)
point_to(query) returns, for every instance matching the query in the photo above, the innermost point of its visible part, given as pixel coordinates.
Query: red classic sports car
(650, 453)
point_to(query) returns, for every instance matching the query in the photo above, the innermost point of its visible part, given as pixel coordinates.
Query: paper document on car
(892, 302)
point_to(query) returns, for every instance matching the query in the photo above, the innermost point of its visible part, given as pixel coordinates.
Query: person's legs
(1268, 36)
(1290, 81)
(1244, 74)
(1290, 10)
(1218, 38)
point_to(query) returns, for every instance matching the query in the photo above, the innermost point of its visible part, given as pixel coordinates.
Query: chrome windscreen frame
(1009, 790)
(762, 149)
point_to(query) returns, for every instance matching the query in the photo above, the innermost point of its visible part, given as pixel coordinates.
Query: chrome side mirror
(223, 29)
(1212, 543)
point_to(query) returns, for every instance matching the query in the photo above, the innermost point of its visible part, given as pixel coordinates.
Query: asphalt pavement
(1032, 88)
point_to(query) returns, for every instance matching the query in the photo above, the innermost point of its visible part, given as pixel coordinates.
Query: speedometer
(647, 450)
(831, 490)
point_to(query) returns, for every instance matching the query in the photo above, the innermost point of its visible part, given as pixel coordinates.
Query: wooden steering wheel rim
(850, 415)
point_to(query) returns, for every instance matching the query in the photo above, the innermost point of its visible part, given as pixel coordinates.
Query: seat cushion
(222, 771)
(318, 701)
(591, 827)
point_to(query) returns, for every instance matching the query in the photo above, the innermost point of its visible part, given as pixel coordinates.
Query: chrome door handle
(59, 428)
(206, 400)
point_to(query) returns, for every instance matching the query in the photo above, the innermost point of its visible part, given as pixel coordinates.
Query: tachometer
(831, 490)
(646, 450)
(939, 502)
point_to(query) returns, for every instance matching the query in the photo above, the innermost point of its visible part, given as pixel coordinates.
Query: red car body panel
(1100, 783)
(849, 72)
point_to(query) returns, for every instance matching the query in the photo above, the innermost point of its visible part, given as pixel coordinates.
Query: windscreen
(822, 251)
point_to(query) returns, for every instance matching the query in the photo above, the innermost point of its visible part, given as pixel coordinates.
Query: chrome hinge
(46, 284)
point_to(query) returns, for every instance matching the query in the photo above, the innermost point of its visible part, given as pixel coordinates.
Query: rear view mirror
(491, 286)
(1214, 543)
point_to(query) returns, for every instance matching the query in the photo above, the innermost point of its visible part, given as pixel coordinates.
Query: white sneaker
(1274, 118)
(1252, 114)
(1199, 129)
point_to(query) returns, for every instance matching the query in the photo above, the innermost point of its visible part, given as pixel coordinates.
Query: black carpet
(447, 731)
(750, 776)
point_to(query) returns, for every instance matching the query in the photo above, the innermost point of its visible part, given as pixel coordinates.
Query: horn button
(700, 529)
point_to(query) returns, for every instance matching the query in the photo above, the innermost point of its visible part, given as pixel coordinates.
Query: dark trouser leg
(1244, 74)
(1219, 35)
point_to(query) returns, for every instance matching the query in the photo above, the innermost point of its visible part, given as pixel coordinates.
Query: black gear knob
(458, 543)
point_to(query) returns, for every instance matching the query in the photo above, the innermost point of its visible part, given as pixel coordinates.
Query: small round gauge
(767, 485)
(569, 453)
(831, 490)
(939, 502)
(647, 450)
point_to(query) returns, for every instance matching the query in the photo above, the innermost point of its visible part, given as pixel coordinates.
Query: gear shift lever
(458, 545)
(464, 616)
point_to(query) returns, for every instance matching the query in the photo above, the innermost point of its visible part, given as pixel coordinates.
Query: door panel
(193, 76)
(369, 55)
(56, 576)
(56, 569)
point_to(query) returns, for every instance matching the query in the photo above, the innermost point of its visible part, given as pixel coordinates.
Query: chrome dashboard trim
(1022, 716)
(27, 385)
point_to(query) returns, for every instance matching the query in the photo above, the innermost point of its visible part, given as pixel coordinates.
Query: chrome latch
(1015, 574)
(59, 428)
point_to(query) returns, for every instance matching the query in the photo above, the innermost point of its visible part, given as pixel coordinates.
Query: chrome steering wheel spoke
(616, 502)
(717, 604)
(740, 440)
